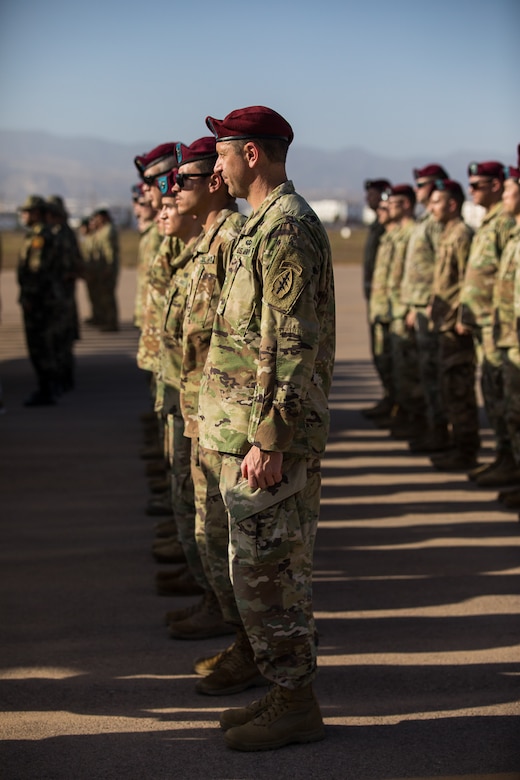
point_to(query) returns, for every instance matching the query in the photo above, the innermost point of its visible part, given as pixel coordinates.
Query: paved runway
(417, 582)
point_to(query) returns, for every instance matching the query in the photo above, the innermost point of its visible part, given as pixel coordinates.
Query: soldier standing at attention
(486, 182)
(416, 290)
(506, 325)
(263, 406)
(457, 361)
(376, 230)
(106, 255)
(41, 298)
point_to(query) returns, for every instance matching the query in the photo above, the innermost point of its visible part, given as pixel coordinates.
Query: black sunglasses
(182, 178)
(149, 180)
(479, 185)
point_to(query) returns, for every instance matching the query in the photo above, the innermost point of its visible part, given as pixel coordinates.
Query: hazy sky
(395, 77)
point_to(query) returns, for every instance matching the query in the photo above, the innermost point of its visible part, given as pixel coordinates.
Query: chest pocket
(240, 293)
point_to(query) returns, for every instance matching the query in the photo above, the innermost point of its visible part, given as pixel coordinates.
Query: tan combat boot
(207, 664)
(205, 622)
(235, 672)
(290, 716)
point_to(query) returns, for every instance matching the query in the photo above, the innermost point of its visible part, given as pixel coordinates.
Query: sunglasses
(479, 185)
(420, 184)
(149, 180)
(182, 178)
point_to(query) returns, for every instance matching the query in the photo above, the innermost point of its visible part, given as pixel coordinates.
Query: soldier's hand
(461, 329)
(410, 319)
(262, 469)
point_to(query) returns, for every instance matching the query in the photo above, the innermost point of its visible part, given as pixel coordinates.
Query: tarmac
(417, 584)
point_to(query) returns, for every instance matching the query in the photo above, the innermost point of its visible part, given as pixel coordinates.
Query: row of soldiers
(442, 301)
(236, 321)
(50, 263)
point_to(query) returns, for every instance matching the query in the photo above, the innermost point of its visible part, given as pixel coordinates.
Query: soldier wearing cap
(202, 193)
(415, 293)
(457, 360)
(376, 230)
(486, 182)
(71, 266)
(41, 298)
(410, 414)
(105, 251)
(263, 407)
(379, 313)
(149, 243)
(506, 323)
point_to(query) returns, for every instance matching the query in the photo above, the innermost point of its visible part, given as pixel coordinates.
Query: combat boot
(205, 622)
(176, 615)
(159, 506)
(207, 664)
(436, 439)
(178, 583)
(505, 473)
(484, 467)
(156, 468)
(383, 408)
(168, 550)
(236, 671)
(454, 461)
(290, 716)
(510, 500)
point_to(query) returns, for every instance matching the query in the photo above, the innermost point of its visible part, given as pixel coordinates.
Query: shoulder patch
(283, 285)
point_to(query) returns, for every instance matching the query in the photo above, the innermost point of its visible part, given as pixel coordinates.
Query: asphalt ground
(417, 581)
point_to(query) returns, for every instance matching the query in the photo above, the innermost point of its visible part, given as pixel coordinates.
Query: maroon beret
(511, 173)
(251, 122)
(451, 186)
(403, 189)
(377, 184)
(518, 156)
(137, 190)
(490, 168)
(433, 169)
(201, 149)
(157, 155)
(165, 182)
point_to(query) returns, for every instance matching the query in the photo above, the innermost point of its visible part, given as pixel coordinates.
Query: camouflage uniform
(106, 259)
(181, 267)
(407, 387)
(379, 313)
(211, 526)
(266, 382)
(149, 244)
(477, 312)
(41, 298)
(416, 290)
(457, 361)
(506, 335)
(67, 327)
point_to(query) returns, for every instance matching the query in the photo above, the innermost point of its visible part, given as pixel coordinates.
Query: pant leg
(492, 384)
(271, 557)
(512, 398)
(457, 368)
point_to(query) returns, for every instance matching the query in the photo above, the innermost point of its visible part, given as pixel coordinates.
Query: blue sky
(397, 78)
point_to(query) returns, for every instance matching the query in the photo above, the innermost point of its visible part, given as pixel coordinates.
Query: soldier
(41, 298)
(486, 182)
(149, 243)
(410, 415)
(379, 313)
(505, 326)
(202, 193)
(376, 230)
(415, 293)
(457, 361)
(263, 407)
(71, 264)
(105, 248)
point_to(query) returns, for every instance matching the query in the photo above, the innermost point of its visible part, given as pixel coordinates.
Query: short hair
(206, 165)
(275, 149)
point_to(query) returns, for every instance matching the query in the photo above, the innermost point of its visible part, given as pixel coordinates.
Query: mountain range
(88, 172)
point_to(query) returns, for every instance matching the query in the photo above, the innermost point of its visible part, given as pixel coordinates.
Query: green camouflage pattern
(270, 360)
(379, 301)
(159, 275)
(400, 237)
(488, 244)
(376, 231)
(171, 321)
(271, 543)
(511, 372)
(149, 244)
(209, 268)
(457, 368)
(492, 384)
(450, 267)
(419, 262)
(504, 325)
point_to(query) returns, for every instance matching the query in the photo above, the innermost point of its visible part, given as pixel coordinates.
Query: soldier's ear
(251, 153)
